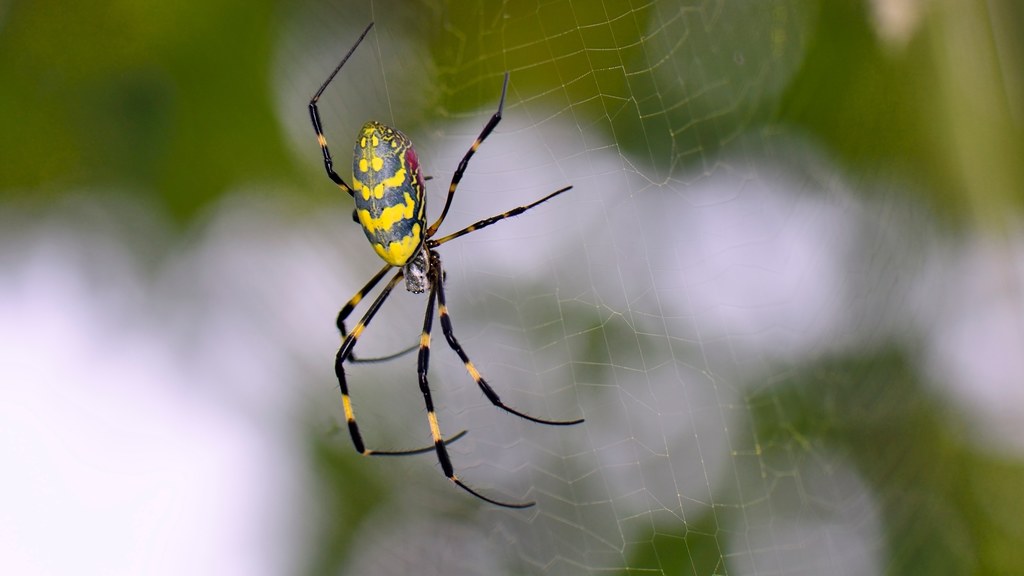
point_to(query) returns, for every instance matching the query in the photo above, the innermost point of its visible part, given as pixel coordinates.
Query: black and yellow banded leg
(339, 369)
(432, 243)
(347, 309)
(464, 163)
(435, 430)
(314, 116)
(449, 334)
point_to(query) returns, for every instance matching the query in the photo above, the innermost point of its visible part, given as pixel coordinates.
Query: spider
(390, 205)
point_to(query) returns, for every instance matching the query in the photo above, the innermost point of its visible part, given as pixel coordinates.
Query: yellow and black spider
(391, 207)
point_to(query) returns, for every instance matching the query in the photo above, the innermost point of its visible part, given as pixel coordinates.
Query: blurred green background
(165, 116)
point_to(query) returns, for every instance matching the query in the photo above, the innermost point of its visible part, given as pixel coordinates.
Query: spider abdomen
(388, 186)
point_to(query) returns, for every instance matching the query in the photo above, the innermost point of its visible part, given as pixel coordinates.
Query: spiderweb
(666, 299)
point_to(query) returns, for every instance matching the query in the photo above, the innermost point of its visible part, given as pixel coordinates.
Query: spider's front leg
(345, 353)
(347, 309)
(314, 116)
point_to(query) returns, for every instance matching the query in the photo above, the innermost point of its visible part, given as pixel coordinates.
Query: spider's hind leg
(345, 354)
(449, 334)
(435, 429)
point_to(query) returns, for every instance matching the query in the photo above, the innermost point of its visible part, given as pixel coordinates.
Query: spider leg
(435, 430)
(449, 334)
(344, 353)
(347, 309)
(314, 115)
(461, 170)
(493, 219)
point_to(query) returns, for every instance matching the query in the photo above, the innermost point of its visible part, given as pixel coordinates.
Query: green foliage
(350, 495)
(175, 101)
(693, 550)
(947, 506)
(170, 100)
